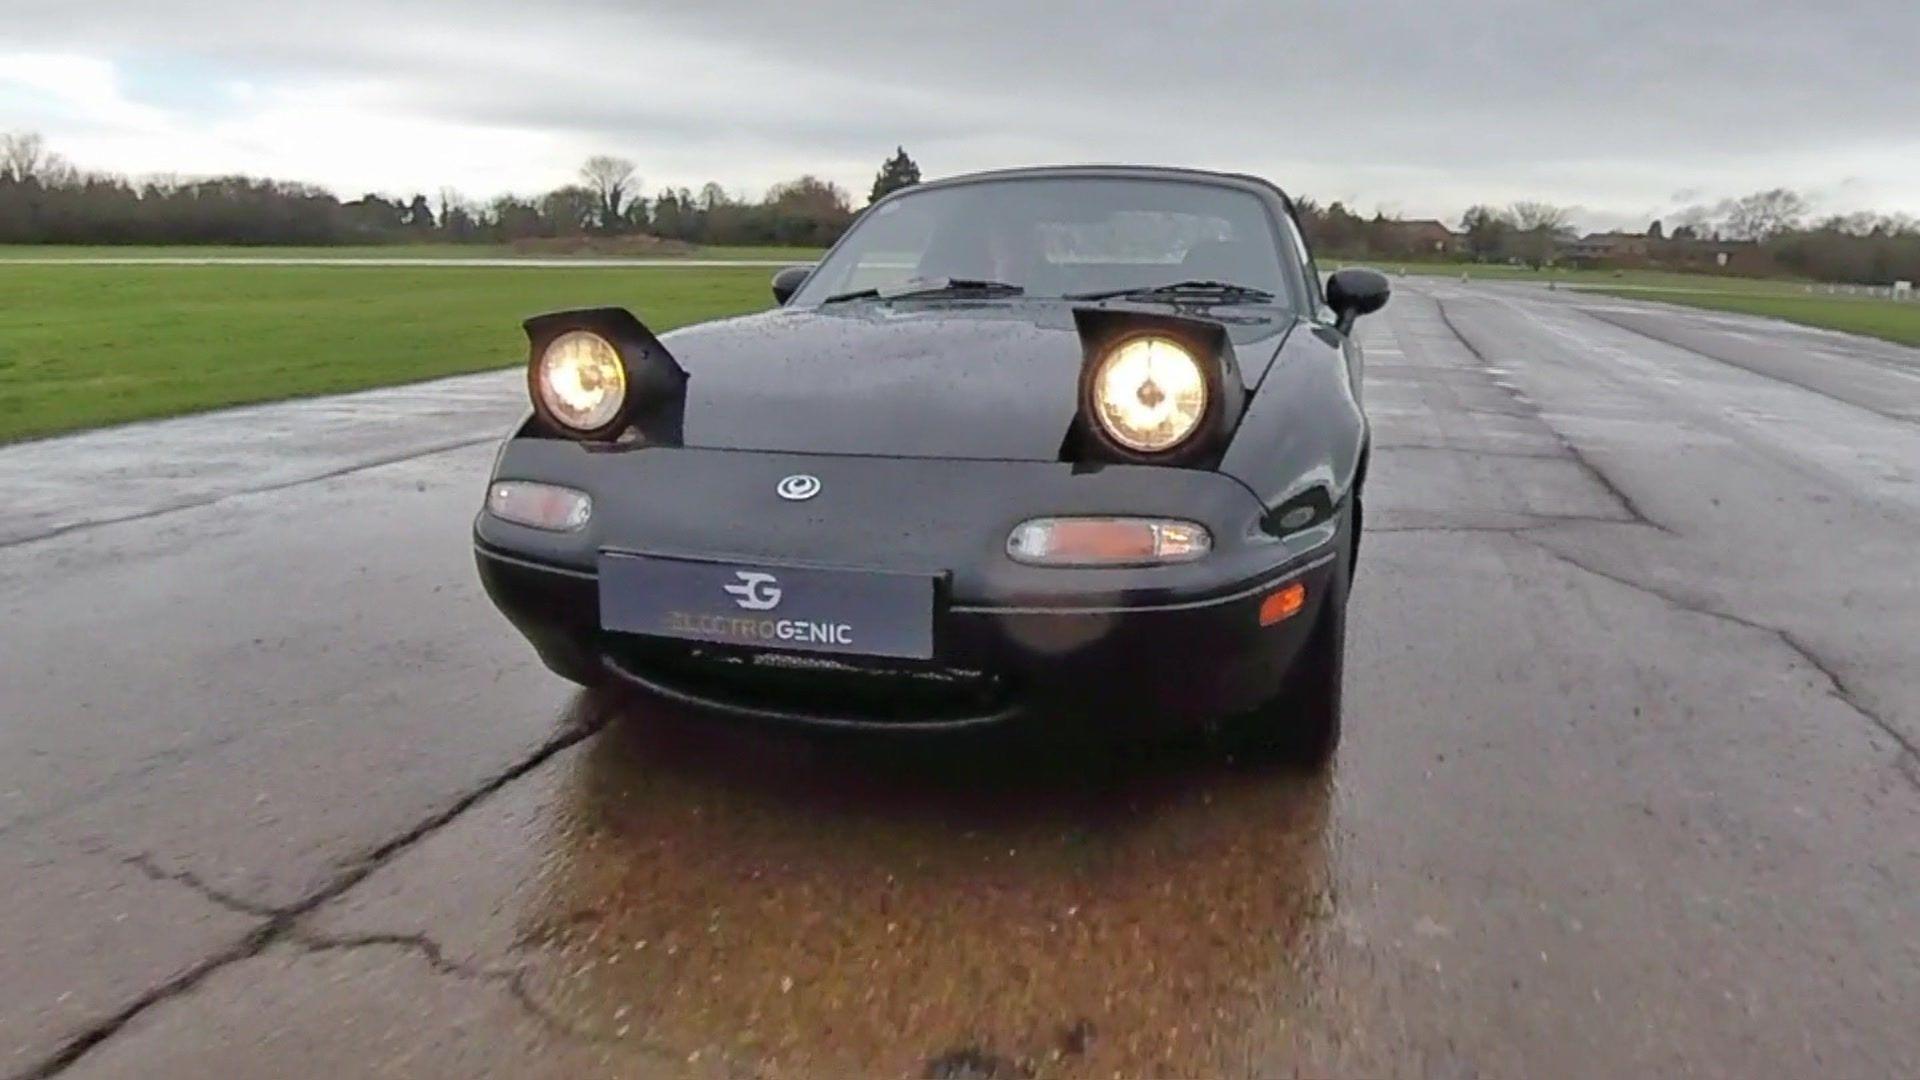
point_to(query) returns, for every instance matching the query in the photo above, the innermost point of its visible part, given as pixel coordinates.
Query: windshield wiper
(932, 287)
(1225, 292)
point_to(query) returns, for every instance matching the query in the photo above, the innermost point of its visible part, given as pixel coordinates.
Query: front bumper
(1110, 667)
(1116, 646)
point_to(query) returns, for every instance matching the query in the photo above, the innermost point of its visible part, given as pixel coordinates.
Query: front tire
(1301, 724)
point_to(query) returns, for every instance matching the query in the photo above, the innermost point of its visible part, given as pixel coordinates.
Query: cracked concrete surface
(1536, 534)
(114, 474)
(355, 1011)
(144, 863)
(83, 937)
(280, 923)
(1629, 785)
(1824, 667)
(1870, 386)
(1899, 385)
(512, 981)
(1797, 522)
(1599, 475)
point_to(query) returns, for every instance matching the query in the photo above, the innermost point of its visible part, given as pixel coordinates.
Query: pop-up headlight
(1149, 393)
(579, 382)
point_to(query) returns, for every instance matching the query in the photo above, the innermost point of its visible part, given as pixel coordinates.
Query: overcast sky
(1624, 109)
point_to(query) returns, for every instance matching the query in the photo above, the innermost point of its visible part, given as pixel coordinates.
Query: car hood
(956, 380)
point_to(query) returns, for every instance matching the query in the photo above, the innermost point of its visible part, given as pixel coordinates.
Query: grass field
(380, 251)
(86, 345)
(82, 346)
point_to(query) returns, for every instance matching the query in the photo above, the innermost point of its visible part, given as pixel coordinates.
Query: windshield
(1058, 236)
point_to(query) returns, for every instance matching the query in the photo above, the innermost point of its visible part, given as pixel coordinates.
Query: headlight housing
(580, 383)
(1149, 393)
(1107, 541)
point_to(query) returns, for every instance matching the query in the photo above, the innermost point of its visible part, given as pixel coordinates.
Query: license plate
(859, 612)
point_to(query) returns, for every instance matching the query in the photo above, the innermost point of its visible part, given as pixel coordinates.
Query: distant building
(1607, 247)
(1423, 237)
(1731, 256)
(1621, 250)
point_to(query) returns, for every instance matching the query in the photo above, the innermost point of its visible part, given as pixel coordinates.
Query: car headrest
(1221, 260)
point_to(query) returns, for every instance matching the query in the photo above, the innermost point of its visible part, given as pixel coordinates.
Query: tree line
(1767, 233)
(44, 199)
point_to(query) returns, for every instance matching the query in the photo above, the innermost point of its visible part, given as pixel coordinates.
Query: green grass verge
(1890, 320)
(378, 251)
(82, 346)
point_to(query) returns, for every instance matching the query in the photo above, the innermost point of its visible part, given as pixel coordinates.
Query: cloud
(1621, 108)
(82, 92)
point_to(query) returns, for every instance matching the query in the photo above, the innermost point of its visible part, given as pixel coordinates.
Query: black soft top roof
(1245, 181)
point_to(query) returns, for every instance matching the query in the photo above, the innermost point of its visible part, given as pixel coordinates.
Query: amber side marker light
(1283, 604)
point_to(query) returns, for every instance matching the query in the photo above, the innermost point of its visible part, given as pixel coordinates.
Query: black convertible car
(1043, 445)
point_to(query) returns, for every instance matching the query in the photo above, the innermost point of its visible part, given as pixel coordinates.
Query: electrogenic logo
(755, 591)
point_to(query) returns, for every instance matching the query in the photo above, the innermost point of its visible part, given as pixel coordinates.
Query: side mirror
(1354, 292)
(787, 282)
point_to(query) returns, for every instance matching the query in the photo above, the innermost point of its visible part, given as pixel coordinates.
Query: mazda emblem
(799, 487)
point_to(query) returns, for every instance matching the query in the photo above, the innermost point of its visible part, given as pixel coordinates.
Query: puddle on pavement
(787, 905)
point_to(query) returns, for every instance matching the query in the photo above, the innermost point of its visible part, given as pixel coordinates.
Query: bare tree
(610, 179)
(1537, 228)
(1764, 215)
(1693, 223)
(24, 157)
(1538, 217)
(809, 192)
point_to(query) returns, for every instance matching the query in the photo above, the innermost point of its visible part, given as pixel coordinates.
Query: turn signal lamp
(539, 506)
(1107, 541)
(1283, 604)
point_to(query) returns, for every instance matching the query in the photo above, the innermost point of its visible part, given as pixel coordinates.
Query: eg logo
(755, 591)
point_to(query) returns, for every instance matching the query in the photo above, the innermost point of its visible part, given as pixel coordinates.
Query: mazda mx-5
(1068, 446)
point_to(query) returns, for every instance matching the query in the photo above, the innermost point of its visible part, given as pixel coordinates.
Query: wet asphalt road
(1629, 783)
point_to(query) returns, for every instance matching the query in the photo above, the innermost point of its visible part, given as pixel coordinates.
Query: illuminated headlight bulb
(580, 381)
(1149, 394)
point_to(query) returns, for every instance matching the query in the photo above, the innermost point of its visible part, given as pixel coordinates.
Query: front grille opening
(871, 690)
